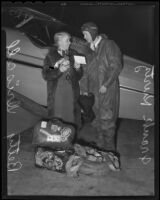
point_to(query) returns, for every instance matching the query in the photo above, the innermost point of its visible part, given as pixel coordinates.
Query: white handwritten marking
(145, 99)
(138, 68)
(13, 44)
(13, 166)
(148, 122)
(14, 52)
(145, 160)
(9, 80)
(10, 67)
(148, 82)
(11, 105)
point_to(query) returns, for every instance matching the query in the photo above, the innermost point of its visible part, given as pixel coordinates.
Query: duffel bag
(64, 161)
(54, 134)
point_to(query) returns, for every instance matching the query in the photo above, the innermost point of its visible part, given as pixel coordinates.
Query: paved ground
(136, 177)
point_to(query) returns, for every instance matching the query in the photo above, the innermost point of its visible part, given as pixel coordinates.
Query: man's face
(87, 36)
(64, 43)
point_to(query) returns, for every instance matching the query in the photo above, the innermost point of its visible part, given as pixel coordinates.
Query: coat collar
(62, 52)
(95, 43)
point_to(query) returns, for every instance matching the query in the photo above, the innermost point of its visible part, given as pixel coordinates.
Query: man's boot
(108, 145)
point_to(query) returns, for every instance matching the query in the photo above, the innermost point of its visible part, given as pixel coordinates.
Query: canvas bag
(54, 134)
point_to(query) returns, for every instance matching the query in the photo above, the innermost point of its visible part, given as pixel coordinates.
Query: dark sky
(132, 27)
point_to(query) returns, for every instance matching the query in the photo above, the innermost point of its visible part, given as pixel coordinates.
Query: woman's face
(64, 43)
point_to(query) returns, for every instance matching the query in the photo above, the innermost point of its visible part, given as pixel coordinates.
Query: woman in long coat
(62, 75)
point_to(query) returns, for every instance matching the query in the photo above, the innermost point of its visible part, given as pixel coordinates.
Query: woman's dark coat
(51, 75)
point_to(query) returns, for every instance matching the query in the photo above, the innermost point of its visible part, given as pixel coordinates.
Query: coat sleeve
(84, 81)
(78, 73)
(48, 72)
(114, 59)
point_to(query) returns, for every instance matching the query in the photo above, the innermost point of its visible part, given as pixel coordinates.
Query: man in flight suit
(102, 71)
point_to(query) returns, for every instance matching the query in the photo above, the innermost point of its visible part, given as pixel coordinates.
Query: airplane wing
(40, 28)
(33, 23)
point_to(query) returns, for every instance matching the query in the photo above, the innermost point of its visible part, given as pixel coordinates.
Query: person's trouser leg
(106, 134)
(108, 137)
(107, 120)
(106, 116)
